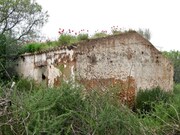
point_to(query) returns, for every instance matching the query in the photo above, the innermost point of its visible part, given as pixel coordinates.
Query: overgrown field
(28, 109)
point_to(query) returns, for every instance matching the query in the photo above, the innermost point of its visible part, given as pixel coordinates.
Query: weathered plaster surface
(126, 59)
(120, 57)
(50, 66)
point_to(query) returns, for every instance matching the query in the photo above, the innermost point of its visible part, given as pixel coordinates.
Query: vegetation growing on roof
(69, 37)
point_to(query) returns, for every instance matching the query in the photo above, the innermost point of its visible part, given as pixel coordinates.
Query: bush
(66, 110)
(159, 110)
(31, 47)
(99, 35)
(27, 85)
(35, 47)
(67, 39)
(70, 110)
(146, 99)
(81, 37)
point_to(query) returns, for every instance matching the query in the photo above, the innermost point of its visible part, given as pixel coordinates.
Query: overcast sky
(160, 16)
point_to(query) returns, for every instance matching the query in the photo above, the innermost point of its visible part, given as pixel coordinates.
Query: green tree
(20, 20)
(174, 56)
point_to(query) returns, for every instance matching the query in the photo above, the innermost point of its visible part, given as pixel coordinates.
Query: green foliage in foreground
(147, 99)
(70, 110)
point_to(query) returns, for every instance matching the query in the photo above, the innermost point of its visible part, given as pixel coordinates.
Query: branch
(15, 23)
(29, 29)
(5, 18)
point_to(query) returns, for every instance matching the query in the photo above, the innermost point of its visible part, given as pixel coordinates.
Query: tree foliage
(174, 56)
(20, 20)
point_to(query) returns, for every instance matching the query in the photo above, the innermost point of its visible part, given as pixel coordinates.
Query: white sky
(160, 16)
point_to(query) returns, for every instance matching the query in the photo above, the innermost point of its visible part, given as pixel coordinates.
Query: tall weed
(71, 110)
(146, 99)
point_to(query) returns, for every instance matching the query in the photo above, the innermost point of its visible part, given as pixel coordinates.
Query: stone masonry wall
(50, 67)
(121, 57)
(127, 60)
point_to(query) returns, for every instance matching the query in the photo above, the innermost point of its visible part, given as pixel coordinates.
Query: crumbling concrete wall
(50, 67)
(127, 60)
(125, 56)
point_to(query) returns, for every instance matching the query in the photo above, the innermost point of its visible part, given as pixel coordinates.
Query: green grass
(99, 35)
(36, 109)
(64, 39)
(67, 39)
(82, 37)
(146, 99)
(35, 47)
(67, 110)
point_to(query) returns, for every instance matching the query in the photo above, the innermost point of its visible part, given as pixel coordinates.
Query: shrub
(167, 115)
(70, 110)
(66, 110)
(159, 110)
(35, 47)
(27, 85)
(99, 35)
(146, 99)
(81, 37)
(31, 47)
(67, 39)
(50, 44)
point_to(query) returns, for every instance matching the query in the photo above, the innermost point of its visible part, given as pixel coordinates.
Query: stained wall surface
(125, 56)
(50, 67)
(127, 60)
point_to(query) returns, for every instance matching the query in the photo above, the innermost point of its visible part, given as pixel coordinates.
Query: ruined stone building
(126, 59)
